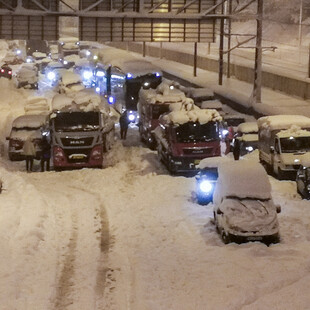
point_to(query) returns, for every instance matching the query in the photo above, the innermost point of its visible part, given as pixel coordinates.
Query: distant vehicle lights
(131, 117)
(111, 99)
(51, 76)
(205, 186)
(87, 74)
(100, 73)
(157, 74)
(129, 76)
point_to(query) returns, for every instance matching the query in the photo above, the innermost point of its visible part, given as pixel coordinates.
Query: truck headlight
(249, 148)
(131, 117)
(205, 186)
(87, 75)
(51, 75)
(308, 187)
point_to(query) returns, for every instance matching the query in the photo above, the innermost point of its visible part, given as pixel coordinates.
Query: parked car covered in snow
(23, 127)
(36, 105)
(70, 82)
(303, 178)
(27, 77)
(243, 207)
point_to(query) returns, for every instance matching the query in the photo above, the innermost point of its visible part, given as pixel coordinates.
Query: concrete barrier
(289, 85)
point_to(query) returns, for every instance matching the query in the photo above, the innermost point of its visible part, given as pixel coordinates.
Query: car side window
(277, 149)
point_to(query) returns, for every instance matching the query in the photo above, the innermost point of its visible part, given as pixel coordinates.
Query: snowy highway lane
(131, 237)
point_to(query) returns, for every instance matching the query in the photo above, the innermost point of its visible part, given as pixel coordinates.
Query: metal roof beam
(40, 5)
(213, 7)
(156, 6)
(8, 6)
(125, 4)
(244, 7)
(67, 5)
(93, 6)
(186, 6)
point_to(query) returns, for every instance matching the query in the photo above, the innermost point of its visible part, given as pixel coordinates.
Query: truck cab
(184, 138)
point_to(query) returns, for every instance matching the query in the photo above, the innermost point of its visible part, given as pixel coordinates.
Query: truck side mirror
(272, 150)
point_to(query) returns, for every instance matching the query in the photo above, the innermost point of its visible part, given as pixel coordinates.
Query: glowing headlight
(171, 87)
(205, 186)
(97, 89)
(87, 75)
(88, 53)
(18, 52)
(157, 74)
(249, 148)
(308, 187)
(224, 132)
(95, 57)
(28, 60)
(100, 73)
(296, 160)
(51, 75)
(146, 84)
(129, 75)
(65, 62)
(131, 117)
(111, 100)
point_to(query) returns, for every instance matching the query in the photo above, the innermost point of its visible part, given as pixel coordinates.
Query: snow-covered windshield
(159, 109)
(196, 132)
(295, 144)
(76, 121)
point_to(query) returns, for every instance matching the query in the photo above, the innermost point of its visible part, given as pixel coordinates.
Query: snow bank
(242, 179)
(213, 162)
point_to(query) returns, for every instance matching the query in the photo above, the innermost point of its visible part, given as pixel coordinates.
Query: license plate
(77, 156)
(197, 161)
(255, 238)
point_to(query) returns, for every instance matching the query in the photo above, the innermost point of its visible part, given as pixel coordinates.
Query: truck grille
(77, 156)
(198, 151)
(77, 142)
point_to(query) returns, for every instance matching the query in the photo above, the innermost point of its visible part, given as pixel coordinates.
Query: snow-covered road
(131, 237)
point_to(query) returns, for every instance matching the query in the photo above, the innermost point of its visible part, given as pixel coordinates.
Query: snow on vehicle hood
(36, 105)
(247, 127)
(39, 55)
(294, 131)
(72, 58)
(213, 162)
(71, 78)
(251, 137)
(294, 158)
(250, 215)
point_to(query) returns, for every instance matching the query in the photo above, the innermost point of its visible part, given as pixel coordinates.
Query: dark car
(6, 71)
(303, 181)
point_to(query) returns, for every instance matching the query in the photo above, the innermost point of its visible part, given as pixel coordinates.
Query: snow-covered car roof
(247, 127)
(69, 77)
(30, 121)
(242, 179)
(199, 92)
(212, 104)
(213, 162)
(294, 131)
(279, 122)
(39, 55)
(68, 39)
(25, 73)
(72, 58)
(36, 104)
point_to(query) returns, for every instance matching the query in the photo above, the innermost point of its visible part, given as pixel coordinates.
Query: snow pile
(278, 122)
(71, 78)
(72, 58)
(213, 162)
(294, 131)
(243, 179)
(191, 113)
(36, 105)
(248, 127)
(29, 121)
(84, 100)
(200, 93)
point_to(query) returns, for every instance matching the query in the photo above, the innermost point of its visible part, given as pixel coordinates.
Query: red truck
(186, 137)
(152, 104)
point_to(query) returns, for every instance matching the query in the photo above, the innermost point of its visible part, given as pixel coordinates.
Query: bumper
(267, 239)
(183, 165)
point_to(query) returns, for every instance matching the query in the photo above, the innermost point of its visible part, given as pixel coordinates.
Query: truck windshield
(196, 132)
(295, 144)
(76, 121)
(159, 109)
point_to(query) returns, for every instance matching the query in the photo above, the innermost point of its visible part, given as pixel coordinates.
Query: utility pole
(229, 38)
(221, 49)
(257, 91)
(300, 23)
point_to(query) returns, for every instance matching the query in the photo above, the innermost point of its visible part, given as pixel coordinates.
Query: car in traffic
(303, 179)
(23, 127)
(243, 207)
(206, 178)
(53, 71)
(70, 82)
(27, 77)
(6, 71)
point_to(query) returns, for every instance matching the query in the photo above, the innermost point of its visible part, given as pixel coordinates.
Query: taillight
(2, 70)
(10, 72)
(58, 153)
(96, 153)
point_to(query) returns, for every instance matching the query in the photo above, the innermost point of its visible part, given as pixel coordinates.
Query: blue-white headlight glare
(131, 117)
(65, 62)
(18, 52)
(88, 53)
(51, 75)
(224, 132)
(157, 74)
(206, 186)
(100, 73)
(111, 99)
(129, 76)
(249, 148)
(97, 89)
(28, 60)
(87, 74)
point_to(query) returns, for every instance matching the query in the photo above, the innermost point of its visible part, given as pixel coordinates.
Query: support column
(195, 59)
